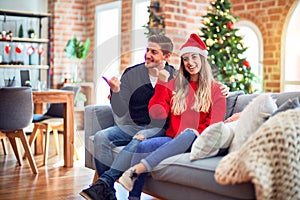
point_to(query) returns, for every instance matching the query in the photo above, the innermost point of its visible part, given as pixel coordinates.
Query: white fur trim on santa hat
(193, 50)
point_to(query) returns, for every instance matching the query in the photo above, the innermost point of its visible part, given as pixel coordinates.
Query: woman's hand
(163, 75)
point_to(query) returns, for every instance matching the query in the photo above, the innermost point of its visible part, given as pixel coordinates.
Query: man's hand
(114, 84)
(224, 90)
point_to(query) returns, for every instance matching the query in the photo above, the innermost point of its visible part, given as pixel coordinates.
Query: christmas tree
(226, 48)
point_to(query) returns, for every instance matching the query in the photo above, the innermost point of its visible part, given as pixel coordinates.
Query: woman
(192, 101)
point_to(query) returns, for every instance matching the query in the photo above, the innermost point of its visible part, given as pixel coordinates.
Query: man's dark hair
(164, 42)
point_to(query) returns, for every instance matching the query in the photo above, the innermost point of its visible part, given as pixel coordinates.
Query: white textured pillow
(215, 137)
(252, 117)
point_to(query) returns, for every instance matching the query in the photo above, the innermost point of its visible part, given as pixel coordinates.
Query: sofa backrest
(243, 99)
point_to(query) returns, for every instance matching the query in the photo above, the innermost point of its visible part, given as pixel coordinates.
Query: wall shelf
(28, 40)
(25, 66)
(40, 23)
(23, 14)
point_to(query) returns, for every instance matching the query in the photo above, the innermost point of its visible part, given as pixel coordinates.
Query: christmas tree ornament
(220, 41)
(229, 25)
(41, 50)
(7, 48)
(19, 48)
(30, 50)
(227, 47)
(246, 64)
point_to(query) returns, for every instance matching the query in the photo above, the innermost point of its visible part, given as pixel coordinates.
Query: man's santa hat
(194, 45)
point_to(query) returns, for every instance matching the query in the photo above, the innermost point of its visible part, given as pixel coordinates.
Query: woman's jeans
(152, 151)
(108, 168)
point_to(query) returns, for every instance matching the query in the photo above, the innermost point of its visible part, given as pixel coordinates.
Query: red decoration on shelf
(41, 50)
(30, 50)
(229, 25)
(19, 48)
(7, 48)
(246, 64)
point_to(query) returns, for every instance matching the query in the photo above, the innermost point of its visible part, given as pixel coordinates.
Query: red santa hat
(194, 44)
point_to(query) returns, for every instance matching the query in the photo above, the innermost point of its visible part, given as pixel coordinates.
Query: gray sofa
(177, 177)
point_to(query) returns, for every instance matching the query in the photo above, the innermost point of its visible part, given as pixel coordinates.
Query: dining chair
(3, 142)
(52, 121)
(16, 113)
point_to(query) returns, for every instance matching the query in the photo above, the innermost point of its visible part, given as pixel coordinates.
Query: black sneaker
(97, 191)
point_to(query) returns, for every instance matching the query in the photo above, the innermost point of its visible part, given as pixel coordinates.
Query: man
(129, 97)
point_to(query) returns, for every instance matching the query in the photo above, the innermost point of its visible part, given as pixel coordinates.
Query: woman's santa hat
(194, 45)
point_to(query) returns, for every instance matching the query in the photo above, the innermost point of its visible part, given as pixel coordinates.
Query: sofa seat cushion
(199, 174)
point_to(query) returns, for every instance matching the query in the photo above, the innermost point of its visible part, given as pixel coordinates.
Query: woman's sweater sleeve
(159, 105)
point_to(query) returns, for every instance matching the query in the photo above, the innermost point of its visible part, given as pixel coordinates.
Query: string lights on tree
(226, 48)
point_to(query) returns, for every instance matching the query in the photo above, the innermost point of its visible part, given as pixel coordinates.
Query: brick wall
(270, 16)
(76, 17)
(68, 20)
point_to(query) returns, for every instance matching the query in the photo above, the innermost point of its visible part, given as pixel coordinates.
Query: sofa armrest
(96, 118)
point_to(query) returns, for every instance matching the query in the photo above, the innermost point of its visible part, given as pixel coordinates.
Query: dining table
(42, 97)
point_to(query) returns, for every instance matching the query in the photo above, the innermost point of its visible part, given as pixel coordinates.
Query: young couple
(167, 111)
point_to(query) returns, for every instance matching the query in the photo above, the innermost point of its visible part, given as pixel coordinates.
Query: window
(291, 69)
(139, 40)
(254, 54)
(107, 48)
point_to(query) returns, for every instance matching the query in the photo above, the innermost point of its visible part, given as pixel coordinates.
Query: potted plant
(31, 33)
(76, 50)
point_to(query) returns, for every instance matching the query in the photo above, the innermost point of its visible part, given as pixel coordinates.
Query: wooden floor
(53, 182)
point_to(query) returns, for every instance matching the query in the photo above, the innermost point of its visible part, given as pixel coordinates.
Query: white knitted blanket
(270, 158)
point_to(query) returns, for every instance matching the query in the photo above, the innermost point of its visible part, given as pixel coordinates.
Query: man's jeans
(152, 152)
(108, 168)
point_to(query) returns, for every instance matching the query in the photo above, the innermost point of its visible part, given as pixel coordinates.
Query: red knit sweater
(160, 108)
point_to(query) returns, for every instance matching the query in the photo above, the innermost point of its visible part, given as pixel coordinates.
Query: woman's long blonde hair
(203, 93)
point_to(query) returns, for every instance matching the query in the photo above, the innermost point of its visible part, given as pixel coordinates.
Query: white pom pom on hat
(194, 45)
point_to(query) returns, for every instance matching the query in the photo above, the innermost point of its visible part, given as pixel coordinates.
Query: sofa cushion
(199, 174)
(242, 101)
(284, 96)
(230, 102)
(215, 137)
(288, 104)
(252, 117)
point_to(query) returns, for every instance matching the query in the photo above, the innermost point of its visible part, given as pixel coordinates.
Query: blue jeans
(152, 151)
(108, 168)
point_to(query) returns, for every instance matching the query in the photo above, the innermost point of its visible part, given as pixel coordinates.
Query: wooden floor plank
(54, 181)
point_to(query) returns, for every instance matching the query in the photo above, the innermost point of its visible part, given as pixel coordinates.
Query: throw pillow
(215, 137)
(233, 117)
(252, 117)
(289, 104)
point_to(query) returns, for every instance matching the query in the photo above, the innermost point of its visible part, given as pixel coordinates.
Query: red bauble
(7, 49)
(19, 48)
(220, 41)
(246, 64)
(230, 25)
